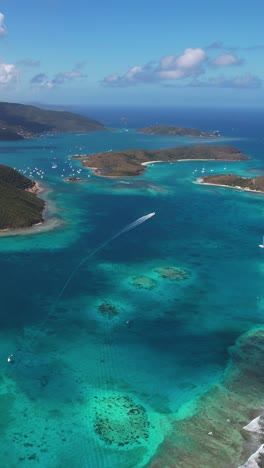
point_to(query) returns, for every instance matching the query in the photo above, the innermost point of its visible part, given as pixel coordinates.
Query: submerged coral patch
(120, 422)
(143, 282)
(173, 273)
(107, 309)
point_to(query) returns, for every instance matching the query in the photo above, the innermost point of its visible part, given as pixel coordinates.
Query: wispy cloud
(42, 80)
(222, 46)
(2, 25)
(246, 81)
(170, 67)
(28, 63)
(226, 60)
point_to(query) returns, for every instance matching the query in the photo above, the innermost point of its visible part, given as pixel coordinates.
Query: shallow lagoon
(165, 346)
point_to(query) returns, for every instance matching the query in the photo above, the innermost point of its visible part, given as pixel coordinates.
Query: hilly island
(18, 121)
(253, 184)
(176, 131)
(19, 205)
(131, 162)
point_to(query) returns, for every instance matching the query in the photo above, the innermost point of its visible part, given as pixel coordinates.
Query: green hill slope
(29, 121)
(18, 207)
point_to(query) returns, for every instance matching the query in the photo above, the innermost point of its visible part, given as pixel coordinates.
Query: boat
(262, 245)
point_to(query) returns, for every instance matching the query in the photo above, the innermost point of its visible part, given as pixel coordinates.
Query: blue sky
(195, 53)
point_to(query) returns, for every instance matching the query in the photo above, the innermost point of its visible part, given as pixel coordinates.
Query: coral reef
(119, 421)
(172, 273)
(143, 282)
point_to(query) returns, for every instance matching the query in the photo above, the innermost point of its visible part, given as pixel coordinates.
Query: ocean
(144, 350)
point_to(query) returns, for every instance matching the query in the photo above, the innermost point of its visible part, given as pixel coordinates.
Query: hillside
(30, 121)
(18, 207)
(9, 135)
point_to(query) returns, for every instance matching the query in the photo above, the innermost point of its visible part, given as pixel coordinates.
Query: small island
(131, 162)
(252, 184)
(176, 131)
(19, 205)
(73, 179)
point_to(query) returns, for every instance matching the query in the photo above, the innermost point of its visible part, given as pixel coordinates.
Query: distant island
(19, 205)
(176, 131)
(131, 162)
(253, 184)
(18, 121)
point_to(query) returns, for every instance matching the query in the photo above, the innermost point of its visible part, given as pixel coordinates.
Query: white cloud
(2, 25)
(170, 67)
(8, 73)
(133, 73)
(175, 67)
(226, 60)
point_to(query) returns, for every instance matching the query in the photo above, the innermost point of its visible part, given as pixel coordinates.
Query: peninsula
(131, 162)
(252, 184)
(19, 205)
(176, 131)
(18, 121)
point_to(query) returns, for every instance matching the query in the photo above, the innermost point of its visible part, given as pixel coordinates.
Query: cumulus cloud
(185, 70)
(246, 81)
(170, 67)
(42, 80)
(2, 25)
(226, 60)
(8, 74)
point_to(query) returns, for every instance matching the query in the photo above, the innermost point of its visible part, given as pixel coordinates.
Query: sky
(115, 52)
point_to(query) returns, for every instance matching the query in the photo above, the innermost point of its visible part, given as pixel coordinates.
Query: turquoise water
(76, 371)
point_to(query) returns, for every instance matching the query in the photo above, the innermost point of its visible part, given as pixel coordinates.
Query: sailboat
(262, 245)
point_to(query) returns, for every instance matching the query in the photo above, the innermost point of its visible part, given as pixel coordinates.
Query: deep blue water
(167, 345)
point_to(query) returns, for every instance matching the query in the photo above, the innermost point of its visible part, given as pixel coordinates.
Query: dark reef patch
(107, 309)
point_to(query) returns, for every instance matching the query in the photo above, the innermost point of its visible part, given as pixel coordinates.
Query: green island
(176, 131)
(18, 121)
(131, 162)
(254, 184)
(19, 205)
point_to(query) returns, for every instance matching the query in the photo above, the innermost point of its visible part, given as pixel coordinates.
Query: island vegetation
(176, 131)
(18, 121)
(131, 162)
(19, 205)
(255, 184)
(9, 135)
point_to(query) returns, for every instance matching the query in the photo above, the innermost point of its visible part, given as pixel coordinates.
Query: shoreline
(37, 187)
(153, 162)
(38, 227)
(200, 181)
(96, 171)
